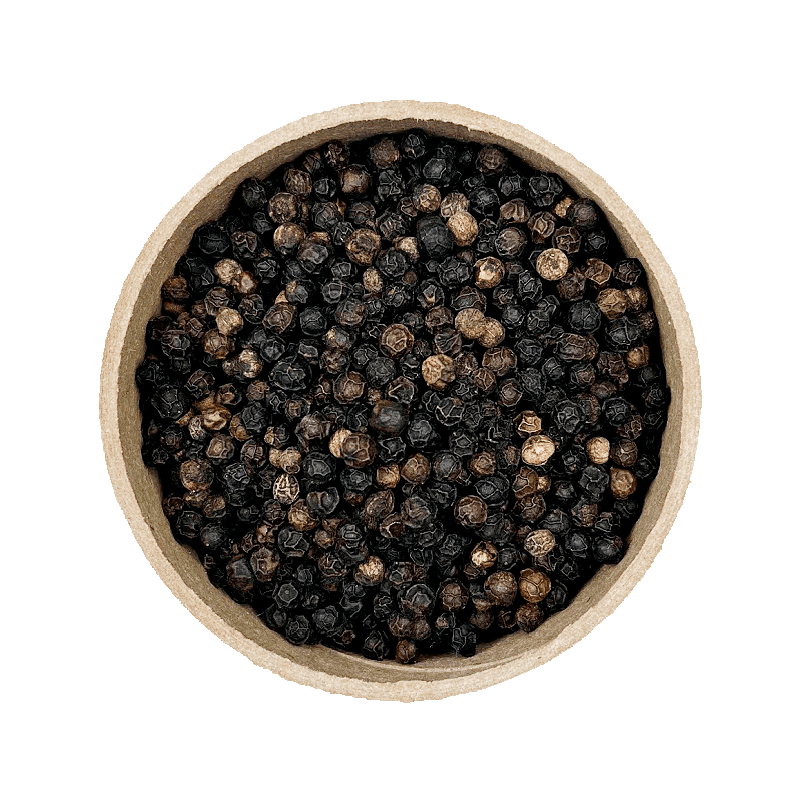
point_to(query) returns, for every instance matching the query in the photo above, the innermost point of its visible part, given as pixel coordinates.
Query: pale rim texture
(137, 490)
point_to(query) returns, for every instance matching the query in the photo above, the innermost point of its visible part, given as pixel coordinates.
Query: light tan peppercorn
(552, 264)
(215, 417)
(470, 322)
(612, 303)
(534, 585)
(637, 299)
(288, 237)
(623, 483)
(528, 422)
(489, 272)
(484, 379)
(638, 357)
(470, 511)
(529, 617)
(217, 345)
(300, 518)
(541, 226)
(358, 450)
(372, 280)
(501, 587)
(597, 272)
(388, 476)
(452, 203)
(416, 469)
(195, 428)
(286, 489)
(362, 246)
(229, 321)
(537, 450)
(514, 212)
(539, 542)
(526, 483)
(624, 452)
(396, 340)
(483, 464)
(370, 572)
(598, 448)
(483, 555)
(464, 228)
(336, 440)
(562, 206)
(288, 460)
(438, 371)
(245, 283)
(492, 334)
(227, 270)
(408, 246)
(426, 198)
(248, 364)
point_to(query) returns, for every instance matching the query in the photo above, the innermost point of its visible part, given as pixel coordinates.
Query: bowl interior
(179, 566)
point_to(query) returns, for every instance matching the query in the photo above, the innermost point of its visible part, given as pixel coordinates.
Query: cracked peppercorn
(405, 396)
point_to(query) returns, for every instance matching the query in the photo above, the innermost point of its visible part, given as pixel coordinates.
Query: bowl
(138, 491)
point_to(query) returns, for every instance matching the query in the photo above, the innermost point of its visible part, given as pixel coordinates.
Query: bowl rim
(399, 115)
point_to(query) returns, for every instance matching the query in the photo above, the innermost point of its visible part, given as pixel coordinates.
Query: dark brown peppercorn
(362, 246)
(358, 450)
(396, 340)
(470, 511)
(501, 587)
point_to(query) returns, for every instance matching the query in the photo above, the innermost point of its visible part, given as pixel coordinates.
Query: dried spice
(405, 396)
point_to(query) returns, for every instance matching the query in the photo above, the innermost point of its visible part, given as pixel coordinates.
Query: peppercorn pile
(404, 397)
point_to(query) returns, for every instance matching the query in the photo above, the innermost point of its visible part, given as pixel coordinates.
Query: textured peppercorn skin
(404, 397)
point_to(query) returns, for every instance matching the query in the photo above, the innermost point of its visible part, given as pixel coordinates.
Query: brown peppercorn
(196, 475)
(632, 429)
(349, 387)
(500, 360)
(530, 508)
(636, 298)
(491, 160)
(563, 206)
(175, 289)
(453, 203)
(298, 182)
(288, 460)
(355, 179)
(215, 417)
(362, 246)
(483, 464)
(571, 287)
(359, 450)
(372, 280)
(283, 207)
(464, 228)
(574, 347)
(483, 555)
(288, 237)
(426, 198)
(408, 246)
(453, 596)
(300, 517)
(264, 561)
(501, 587)
(388, 477)
(529, 617)
(597, 272)
(567, 239)
(492, 334)
(638, 357)
(541, 226)
(227, 270)
(489, 272)
(466, 364)
(438, 371)
(540, 542)
(416, 469)
(612, 303)
(470, 511)
(552, 264)
(229, 321)
(533, 585)
(216, 344)
(526, 483)
(336, 440)
(369, 572)
(279, 317)
(510, 242)
(646, 321)
(470, 322)
(406, 651)
(396, 340)
(537, 450)
(528, 422)
(438, 317)
(484, 380)
(245, 283)
(623, 483)
(286, 489)
(624, 452)
(598, 448)
(220, 448)
(514, 212)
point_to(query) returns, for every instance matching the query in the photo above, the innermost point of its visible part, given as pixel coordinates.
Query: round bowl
(139, 494)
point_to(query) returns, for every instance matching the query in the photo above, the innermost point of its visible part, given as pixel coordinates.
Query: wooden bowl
(139, 494)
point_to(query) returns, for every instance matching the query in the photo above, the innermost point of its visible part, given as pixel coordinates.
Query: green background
(112, 113)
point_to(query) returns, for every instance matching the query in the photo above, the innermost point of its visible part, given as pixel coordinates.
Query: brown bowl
(139, 494)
